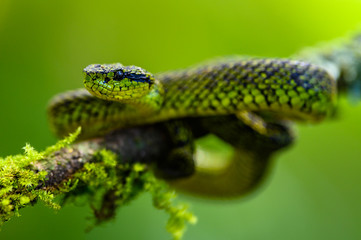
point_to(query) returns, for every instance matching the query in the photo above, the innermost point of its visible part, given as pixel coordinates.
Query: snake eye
(119, 75)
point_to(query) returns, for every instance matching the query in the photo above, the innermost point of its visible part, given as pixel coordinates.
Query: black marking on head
(295, 76)
(137, 77)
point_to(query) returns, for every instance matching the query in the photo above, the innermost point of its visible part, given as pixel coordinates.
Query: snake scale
(242, 101)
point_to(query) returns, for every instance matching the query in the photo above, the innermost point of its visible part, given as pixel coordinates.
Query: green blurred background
(313, 191)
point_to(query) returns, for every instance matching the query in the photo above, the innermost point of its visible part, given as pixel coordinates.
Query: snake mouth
(117, 82)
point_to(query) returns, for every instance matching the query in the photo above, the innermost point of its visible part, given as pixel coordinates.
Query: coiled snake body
(239, 100)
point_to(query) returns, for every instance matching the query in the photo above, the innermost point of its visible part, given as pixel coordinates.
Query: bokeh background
(313, 191)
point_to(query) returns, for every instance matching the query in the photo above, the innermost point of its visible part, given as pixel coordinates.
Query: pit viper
(242, 101)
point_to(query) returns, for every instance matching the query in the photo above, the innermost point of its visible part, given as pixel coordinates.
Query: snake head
(116, 82)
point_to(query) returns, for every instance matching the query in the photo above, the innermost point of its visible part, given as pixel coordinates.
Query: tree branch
(133, 145)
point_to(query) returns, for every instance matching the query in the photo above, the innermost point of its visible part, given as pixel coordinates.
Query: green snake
(123, 96)
(238, 92)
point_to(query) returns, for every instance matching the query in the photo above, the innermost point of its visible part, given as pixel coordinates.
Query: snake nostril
(106, 80)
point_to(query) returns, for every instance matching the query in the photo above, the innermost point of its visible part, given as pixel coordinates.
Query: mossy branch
(111, 171)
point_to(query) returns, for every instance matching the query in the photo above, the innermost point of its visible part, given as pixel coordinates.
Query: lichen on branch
(66, 171)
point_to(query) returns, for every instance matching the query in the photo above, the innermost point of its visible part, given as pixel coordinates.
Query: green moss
(163, 199)
(107, 185)
(18, 180)
(110, 185)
